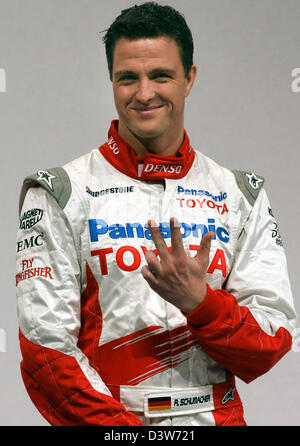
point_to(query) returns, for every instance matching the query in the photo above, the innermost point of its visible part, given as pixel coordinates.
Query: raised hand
(176, 277)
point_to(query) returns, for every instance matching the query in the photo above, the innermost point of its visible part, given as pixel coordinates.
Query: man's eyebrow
(154, 71)
(163, 70)
(123, 72)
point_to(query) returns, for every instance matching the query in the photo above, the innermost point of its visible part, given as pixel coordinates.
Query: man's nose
(145, 91)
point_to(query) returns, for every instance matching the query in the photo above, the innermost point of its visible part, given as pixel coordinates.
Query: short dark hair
(151, 20)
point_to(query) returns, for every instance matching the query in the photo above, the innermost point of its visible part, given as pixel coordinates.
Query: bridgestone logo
(110, 190)
(30, 218)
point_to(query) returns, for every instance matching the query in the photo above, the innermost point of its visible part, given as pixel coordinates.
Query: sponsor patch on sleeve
(30, 218)
(249, 183)
(30, 270)
(274, 229)
(30, 242)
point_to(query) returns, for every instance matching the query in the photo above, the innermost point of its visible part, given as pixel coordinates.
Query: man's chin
(147, 135)
(147, 130)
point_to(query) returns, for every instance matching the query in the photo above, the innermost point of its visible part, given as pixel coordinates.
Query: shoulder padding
(249, 183)
(55, 181)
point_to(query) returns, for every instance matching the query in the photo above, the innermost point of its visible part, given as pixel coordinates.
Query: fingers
(156, 267)
(153, 263)
(205, 245)
(160, 244)
(177, 248)
(176, 238)
(149, 276)
(158, 239)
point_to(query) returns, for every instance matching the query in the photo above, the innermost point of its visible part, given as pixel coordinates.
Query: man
(148, 276)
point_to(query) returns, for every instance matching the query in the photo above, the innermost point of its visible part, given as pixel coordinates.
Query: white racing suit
(99, 346)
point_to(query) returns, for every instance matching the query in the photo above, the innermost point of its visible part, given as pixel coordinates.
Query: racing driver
(148, 276)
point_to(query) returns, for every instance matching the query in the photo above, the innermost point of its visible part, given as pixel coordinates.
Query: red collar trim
(151, 167)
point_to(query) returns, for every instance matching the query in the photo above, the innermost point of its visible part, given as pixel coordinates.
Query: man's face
(150, 86)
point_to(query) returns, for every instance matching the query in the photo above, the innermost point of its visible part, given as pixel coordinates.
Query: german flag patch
(159, 403)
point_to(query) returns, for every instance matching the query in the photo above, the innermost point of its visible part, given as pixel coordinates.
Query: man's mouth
(145, 111)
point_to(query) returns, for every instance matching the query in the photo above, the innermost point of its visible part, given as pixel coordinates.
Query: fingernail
(153, 223)
(176, 223)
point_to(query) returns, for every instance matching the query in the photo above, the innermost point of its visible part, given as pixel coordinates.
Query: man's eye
(161, 75)
(126, 77)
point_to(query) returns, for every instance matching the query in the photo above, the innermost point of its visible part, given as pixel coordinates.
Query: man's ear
(190, 79)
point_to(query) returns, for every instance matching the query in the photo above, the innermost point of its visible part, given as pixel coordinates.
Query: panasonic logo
(99, 227)
(199, 192)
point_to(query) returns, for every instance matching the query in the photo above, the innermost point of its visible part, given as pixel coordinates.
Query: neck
(150, 167)
(163, 145)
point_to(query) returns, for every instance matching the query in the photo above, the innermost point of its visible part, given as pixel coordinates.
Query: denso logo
(113, 146)
(99, 227)
(169, 168)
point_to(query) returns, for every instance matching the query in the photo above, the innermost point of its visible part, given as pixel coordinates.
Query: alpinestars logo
(228, 395)
(47, 177)
(253, 180)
